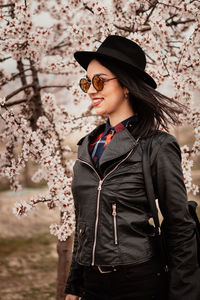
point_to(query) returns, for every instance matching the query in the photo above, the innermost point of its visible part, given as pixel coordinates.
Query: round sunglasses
(97, 82)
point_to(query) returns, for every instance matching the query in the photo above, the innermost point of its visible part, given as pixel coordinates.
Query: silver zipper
(96, 222)
(98, 197)
(114, 213)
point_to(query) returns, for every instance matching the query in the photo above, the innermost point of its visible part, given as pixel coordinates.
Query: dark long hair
(155, 110)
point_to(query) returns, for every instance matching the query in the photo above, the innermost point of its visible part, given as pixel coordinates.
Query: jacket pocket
(82, 238)
(114, 214)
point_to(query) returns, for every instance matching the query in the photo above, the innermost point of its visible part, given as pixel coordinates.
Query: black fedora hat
(122, 50)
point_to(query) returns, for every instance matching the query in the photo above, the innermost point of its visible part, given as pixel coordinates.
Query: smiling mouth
(97, 101)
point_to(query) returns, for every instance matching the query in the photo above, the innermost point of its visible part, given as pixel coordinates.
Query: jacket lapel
(121, 144)
(84, 142)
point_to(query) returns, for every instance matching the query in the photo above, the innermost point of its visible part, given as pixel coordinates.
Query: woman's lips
(97, 101)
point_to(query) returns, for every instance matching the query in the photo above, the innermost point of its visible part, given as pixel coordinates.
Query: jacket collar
(84, 142)
(121, 144)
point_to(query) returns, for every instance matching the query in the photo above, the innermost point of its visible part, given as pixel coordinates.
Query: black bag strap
(160, 239)
(149, 185)
(151, 199)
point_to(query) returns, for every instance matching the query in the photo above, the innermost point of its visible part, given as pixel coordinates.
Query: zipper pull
(114, 211)
(100, 183)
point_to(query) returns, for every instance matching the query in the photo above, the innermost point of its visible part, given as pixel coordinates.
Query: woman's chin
(99, 111)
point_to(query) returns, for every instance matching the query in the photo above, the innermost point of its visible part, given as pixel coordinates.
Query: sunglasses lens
(98, 83)
(84, 84)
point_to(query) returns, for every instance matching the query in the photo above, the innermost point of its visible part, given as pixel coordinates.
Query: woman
(114, 254)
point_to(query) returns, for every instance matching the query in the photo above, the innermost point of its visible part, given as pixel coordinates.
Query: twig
(16, 102)
(18, 91)
(124, 28)
(52, 86)
(131, 29)
(60, 45)
(7, 5)
(175, 23)
(169, 5)
(153, 60)
(5, 58)
(23, 79)
(165, 67)
(149, 15)
(171, 17)
(41, 201)
(14, 76)
(88, 8)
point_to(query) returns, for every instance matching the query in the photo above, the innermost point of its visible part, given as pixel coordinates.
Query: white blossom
(2, 101)
(168, 32)
(22, 209)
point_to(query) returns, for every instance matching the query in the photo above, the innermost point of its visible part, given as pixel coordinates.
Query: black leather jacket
(112, 211)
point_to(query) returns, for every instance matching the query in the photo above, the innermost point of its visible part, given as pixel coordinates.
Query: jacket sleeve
(179, 227)
(74, 284)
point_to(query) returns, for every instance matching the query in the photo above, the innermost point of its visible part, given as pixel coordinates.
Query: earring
(126, 95)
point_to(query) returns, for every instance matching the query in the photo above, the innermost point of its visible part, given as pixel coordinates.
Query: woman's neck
(114, 120)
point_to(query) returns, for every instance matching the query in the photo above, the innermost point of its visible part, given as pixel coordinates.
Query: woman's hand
(72, 297)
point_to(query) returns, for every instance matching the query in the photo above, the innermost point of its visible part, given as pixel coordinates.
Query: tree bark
(64, 250)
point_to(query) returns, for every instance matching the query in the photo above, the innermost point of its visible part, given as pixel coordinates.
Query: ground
(28, 259)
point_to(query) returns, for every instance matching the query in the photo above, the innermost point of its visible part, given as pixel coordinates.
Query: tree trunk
(64, 250)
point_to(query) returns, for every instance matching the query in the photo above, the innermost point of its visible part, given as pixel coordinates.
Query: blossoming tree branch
(33, 117)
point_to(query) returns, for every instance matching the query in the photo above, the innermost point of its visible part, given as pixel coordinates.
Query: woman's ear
(126, 92)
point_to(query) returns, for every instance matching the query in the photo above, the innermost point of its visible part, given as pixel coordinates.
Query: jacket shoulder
(158, 137)
(158, 140)
(162, 136)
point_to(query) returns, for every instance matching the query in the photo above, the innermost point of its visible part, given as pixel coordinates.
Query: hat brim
(84, 58)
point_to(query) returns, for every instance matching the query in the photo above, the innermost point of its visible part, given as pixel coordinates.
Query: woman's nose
(91, 89)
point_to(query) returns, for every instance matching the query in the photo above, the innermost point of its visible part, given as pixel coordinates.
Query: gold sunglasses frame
(92, 81)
